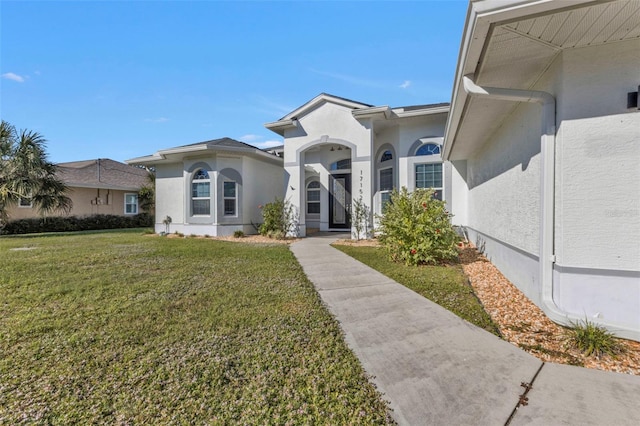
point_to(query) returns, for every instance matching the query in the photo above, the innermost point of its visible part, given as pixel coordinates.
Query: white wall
(319, 129)
(170, 197)
(597, 208)
(598, 158)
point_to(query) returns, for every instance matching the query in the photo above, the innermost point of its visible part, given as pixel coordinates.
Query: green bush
(238, 234)
(416, 229)
(280, 219)
(75, 223)
(593, 339)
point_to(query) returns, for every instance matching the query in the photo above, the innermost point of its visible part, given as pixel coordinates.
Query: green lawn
(122, 328)
(445, 285)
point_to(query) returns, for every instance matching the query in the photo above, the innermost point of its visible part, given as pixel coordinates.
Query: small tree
(416, 228)
(280, 219)
(25, 173)
(361, 218)
(147, 194)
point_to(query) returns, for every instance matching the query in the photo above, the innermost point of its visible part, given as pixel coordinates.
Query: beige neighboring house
(100, 186)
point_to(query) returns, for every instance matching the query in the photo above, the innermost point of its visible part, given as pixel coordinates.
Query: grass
(592, 339)
(445, 285)
(121, 328)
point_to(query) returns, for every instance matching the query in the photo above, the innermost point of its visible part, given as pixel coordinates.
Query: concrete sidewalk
(437, 369)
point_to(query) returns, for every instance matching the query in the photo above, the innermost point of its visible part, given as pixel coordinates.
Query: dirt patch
(251, 239)
(523, 324)
(361, 243)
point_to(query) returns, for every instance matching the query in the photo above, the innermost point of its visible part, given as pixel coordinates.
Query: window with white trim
(430, 176)
(201, 194)
(313, 197)
(428, 149)
(130, 203)
(385, 178)
(25, 203)
(230, 199)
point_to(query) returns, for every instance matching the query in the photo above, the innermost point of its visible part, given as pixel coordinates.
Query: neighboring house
(99, 186)
(338, 150)
(545, 128)
(215, 187)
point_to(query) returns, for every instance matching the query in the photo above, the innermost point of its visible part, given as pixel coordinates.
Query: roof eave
(281, 126)
(481, 16)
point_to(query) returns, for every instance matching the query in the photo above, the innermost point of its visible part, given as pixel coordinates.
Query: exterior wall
(84, 203)
(598, 157)
(597, 269)
(257, 183)
(307, 152)
(597, 208)
(170, 195)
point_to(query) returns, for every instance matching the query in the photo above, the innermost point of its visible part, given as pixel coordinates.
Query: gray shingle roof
(102, 173)
(426, 106)
(228, 142)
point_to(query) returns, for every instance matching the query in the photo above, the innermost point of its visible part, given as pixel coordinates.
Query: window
(430, 176)
(130, 203)
(229, 196)
(313, 197)
(428, 149)
(25, 202)
(385, 178)
(201, 194)
(341, 164)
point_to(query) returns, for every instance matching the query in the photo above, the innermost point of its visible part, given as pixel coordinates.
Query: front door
(340, 201)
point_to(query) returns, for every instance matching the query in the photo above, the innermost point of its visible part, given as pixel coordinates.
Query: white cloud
(267, 144)
(14, 77)
(156, 120)
(406, 84)
(250, 138)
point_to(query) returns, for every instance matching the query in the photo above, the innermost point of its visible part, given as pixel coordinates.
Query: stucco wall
(328, 125)
(598, 158)
(170, 194)
(84, 203)
(503, 178)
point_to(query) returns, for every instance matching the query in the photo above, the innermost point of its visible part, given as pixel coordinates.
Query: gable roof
(289, 121)
(225, 144)
(102, 173)
(511, 43)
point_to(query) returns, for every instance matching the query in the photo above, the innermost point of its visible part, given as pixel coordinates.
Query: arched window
(313, 197)
(341, 165)
(428, 149)
(201, 194)
(385, 178)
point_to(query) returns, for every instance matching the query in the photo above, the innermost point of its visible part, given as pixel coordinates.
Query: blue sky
(124, 79)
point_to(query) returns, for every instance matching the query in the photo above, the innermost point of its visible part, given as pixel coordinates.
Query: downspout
(547, 185)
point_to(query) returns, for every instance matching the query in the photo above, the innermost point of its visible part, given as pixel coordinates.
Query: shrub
(593, 339)
(238, 234)
(361, 218)
(280, 219)
(75, 223)
(416, 229)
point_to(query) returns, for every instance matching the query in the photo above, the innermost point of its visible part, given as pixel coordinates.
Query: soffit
(519, 52)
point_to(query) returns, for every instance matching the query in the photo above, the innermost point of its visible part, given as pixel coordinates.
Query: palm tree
(25, 173)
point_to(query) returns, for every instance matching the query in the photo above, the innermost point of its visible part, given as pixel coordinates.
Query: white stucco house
(214, 187)
(544, 128)
(337, 150)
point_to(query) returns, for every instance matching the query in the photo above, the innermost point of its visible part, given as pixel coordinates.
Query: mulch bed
(525, 325)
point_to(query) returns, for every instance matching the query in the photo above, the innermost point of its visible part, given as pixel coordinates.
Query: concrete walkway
(436, 369)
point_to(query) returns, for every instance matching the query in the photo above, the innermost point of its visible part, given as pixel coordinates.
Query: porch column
(295, 189)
